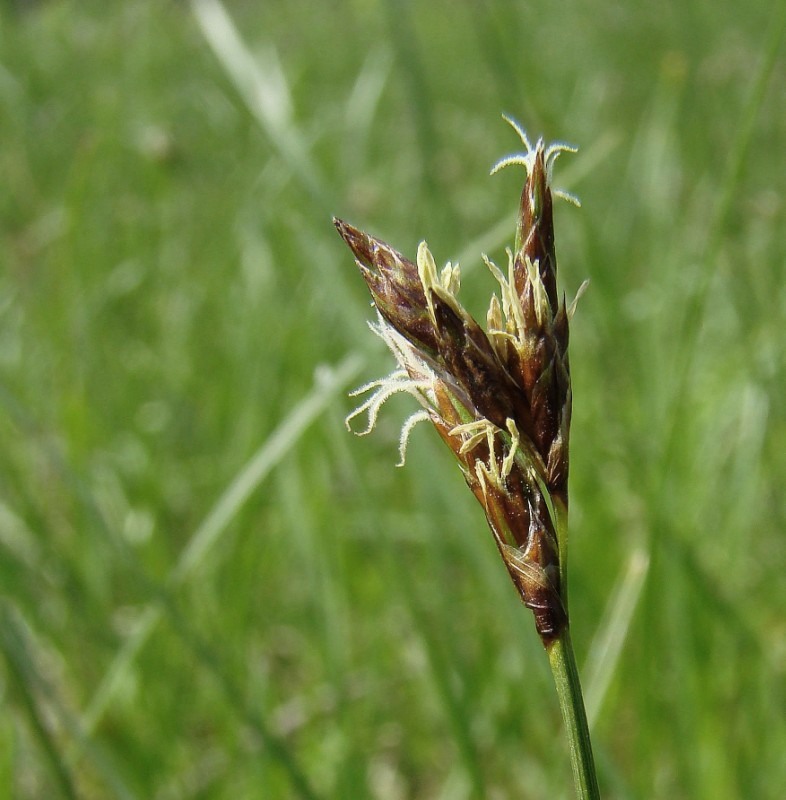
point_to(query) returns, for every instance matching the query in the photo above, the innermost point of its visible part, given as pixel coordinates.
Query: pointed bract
(394, 283)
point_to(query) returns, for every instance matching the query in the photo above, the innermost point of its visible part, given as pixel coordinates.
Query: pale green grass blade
(329, 382)
(607, 644)
(362, 107)
(226, 507)
(281, 442)
(261, 83)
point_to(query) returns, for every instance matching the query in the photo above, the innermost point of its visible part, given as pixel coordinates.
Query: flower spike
(500, 399)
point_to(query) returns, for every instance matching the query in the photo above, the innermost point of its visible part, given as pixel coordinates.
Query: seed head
(501, 398)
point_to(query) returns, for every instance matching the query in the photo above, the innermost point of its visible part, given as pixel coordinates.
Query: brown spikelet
(500, 400)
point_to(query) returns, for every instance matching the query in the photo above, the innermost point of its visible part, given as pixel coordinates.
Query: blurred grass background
(208, 588)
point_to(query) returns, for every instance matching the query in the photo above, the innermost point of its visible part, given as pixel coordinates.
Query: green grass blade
(23, 673)
(237, 493)
(262, 85)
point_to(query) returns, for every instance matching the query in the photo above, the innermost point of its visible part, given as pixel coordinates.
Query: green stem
(571, 701)
(566, 678)
(560, 517)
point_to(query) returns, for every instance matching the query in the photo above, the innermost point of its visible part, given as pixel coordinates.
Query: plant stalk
(566, 678)
(571, 701)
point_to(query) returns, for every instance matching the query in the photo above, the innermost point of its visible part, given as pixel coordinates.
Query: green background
(209, 588)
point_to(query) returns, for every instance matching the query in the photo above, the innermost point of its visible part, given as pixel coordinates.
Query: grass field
(208, 589)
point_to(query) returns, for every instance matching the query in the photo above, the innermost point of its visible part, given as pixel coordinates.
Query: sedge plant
(500, 399)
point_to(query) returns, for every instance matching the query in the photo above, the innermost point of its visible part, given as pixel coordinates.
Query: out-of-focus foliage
(208, 588)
